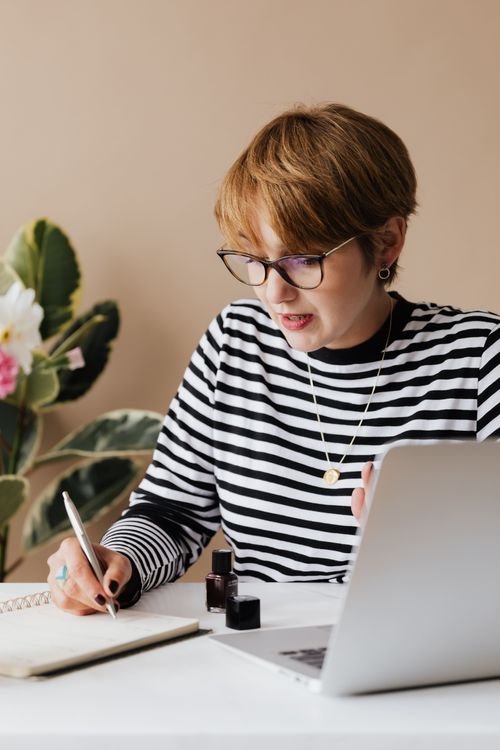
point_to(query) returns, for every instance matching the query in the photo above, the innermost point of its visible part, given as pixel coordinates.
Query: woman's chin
(302, 343)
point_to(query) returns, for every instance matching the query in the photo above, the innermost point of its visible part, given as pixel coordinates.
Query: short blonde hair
(323, 173)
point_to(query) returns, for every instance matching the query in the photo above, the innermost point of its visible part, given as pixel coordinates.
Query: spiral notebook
(24, 602)
(36, 637)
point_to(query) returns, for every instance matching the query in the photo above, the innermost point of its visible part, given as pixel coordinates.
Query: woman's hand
(358, 495)
(81, 593)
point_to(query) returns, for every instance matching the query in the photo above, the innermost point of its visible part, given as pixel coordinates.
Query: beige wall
(119, 117)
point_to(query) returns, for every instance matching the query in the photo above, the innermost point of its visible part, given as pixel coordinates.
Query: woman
(291, 396)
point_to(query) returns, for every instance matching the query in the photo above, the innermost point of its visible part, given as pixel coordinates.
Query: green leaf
(94, 488)
(124, 431)
(43, 384)
(38, 388)
(95, 345)
(70, 342)
(13, 492)
(32, 431)
(7, 277)
(42, 255)
(22, 256)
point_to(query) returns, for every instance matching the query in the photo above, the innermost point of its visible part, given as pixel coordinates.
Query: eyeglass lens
(301, 270)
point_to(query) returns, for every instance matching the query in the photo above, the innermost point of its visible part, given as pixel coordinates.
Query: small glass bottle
(221, 582)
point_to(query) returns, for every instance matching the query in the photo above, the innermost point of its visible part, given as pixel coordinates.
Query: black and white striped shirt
(241, 446)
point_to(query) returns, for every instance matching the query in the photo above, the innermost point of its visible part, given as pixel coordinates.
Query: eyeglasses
(301, 271)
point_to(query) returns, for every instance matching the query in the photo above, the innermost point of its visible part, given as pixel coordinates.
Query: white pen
(86, 545)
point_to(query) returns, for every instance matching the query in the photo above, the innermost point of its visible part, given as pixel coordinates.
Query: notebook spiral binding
(25, 602)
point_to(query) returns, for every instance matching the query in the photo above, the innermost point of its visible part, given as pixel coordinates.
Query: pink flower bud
(75, 359)
(8, 374)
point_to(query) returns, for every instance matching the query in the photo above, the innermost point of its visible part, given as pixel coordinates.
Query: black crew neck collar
(371, 349)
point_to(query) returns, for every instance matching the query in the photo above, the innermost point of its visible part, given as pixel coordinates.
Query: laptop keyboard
(312, 656)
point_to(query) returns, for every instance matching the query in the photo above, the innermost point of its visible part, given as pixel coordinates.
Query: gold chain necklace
(332, 474)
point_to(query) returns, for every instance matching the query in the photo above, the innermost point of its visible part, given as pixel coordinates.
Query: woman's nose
(278, 290)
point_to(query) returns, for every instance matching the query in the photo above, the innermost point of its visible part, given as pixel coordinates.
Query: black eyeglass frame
(267, 264)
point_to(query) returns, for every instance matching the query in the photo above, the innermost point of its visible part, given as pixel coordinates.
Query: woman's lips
(295, 322)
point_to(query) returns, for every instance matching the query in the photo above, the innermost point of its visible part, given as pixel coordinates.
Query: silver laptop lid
(423, 605)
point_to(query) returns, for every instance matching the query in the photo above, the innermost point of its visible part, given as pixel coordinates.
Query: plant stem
(4, 444)
(4, 535)
(4, 448)
(18, 437)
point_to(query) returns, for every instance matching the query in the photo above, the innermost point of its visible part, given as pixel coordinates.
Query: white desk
(196, 694)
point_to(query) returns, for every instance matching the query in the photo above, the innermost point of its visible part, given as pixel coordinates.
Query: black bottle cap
(242, 612)
(221, 561)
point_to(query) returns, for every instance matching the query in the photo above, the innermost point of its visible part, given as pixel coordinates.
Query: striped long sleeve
(174, 512)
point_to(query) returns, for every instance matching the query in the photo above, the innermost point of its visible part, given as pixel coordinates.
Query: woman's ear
(392, 237)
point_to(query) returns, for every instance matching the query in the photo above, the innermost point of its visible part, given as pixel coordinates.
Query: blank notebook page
(43, 639)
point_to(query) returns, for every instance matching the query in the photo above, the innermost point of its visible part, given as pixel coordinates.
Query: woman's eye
(304, 260)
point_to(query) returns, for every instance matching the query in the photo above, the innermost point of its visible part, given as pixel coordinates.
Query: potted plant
(49, 356)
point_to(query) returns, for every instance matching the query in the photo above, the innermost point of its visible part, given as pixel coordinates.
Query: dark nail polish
(113, 586)
(221, 582)
(100, 600)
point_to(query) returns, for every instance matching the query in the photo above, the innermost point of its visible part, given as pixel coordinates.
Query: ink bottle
(221, 582)
(242, 612)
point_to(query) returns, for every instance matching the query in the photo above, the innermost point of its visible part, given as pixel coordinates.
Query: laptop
(423, 603)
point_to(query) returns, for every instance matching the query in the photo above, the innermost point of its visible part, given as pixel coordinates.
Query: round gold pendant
(331, 476)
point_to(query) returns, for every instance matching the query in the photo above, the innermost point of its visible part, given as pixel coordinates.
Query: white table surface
(196, 694)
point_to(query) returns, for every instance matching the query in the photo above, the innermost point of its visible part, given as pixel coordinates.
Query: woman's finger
(358, 497)
(366, 473)
(72, 581)
(357, 502)
(118, 570)
(68, 605)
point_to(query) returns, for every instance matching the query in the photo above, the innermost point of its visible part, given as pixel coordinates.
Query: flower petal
(22, 315)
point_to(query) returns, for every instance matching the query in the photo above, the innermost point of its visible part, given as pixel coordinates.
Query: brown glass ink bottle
(221, 582)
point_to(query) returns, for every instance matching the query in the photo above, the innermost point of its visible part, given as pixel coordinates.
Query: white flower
(20, 319)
